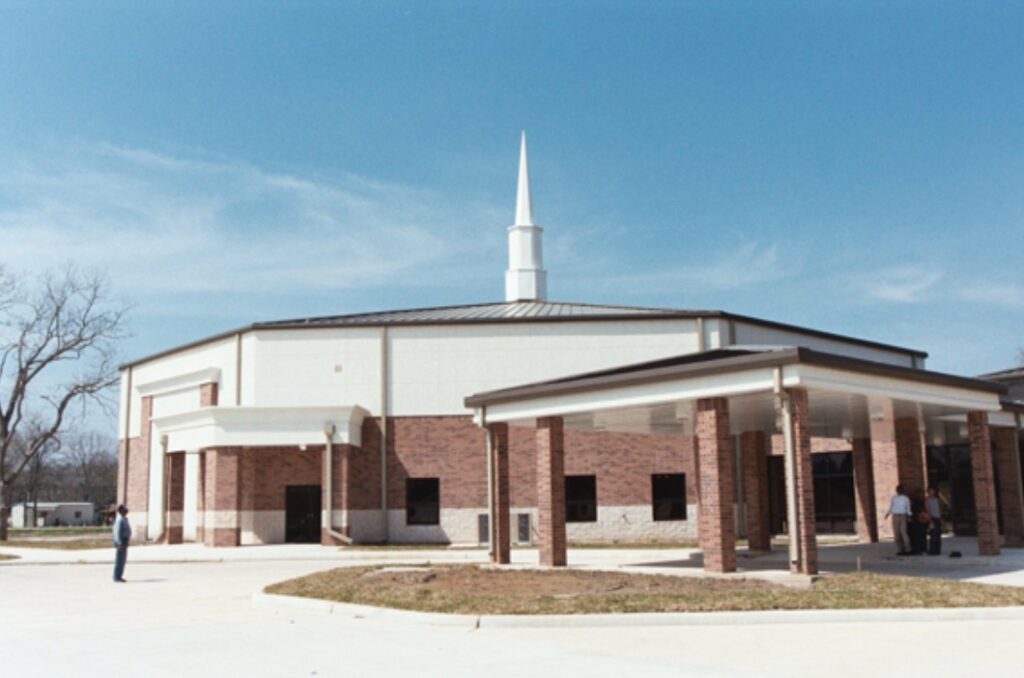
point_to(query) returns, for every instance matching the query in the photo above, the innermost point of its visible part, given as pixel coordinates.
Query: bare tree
(89, 468)
(57, 339)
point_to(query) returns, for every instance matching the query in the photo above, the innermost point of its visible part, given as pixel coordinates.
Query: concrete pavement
(175, 619)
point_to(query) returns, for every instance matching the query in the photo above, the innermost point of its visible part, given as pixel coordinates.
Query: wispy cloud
(748, 264)
(902, 284)
(1007, 295)
(160, 223)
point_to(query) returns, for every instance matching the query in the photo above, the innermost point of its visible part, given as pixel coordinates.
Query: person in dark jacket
(918, 525)
(935, 514)
(122, 536)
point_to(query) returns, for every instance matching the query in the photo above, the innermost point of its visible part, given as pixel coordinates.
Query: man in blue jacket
(122, 535)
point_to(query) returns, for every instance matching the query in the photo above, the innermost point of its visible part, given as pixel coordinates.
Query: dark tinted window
(668, 496)
(580, 499)
(422, 501)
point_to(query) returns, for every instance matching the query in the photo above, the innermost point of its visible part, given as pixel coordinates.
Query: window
(78, 514)
(422, 501)
(668, 496)
(581, 499)
(523, 533)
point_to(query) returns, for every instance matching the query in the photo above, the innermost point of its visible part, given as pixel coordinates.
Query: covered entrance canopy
(886, 412)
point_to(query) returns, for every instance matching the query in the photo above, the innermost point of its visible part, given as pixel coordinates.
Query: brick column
(201, 499)
(715, 513)
(896, 459)
(864, 491)
(222, 497)
(208, 394)
(175, 479)
(502, 523)
(551, 491)
(806, 534)
(1006, 460)
(984, 483)
(753, 449)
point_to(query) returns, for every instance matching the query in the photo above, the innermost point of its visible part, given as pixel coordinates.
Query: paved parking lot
(197, 618)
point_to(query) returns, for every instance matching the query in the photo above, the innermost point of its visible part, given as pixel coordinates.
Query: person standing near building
(899, 509)
(935, 513)
(122, 535)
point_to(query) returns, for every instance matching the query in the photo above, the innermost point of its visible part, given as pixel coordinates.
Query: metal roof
(516, 312)
(503, 311)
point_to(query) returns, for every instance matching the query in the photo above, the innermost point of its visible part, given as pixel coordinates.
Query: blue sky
(853, 167)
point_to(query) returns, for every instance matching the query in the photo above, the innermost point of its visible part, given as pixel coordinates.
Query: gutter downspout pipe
(785, 406)
(329, 486)
(384, 432)
(491, 522)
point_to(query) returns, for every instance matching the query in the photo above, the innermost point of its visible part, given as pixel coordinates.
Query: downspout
(491, 550)
(384, 431)
(166, 489)
(238, 369)
(127, 439)
(785, 406)
(1016, 465)
(329, 483)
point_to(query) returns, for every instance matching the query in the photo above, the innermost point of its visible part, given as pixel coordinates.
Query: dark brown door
(302, 514)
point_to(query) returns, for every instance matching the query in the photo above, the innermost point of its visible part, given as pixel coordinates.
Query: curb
(469, 621)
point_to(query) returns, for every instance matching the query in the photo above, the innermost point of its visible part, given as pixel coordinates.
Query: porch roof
(658, 396)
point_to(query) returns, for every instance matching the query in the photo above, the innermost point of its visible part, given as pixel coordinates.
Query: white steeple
(525, 279)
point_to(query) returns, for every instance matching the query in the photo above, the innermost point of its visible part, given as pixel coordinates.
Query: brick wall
(717, 485)
(984, 483)
(1005, 458)
(804, 482)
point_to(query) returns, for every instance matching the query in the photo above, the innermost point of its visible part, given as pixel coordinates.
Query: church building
(544, 422)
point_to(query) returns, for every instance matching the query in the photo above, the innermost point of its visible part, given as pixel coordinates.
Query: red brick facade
(864, 490)
(896, 459)
(1006, 459)
(551, 491)
(717, 485)
(222, 496)
(502, 526)
(175, 479)
(753, 452)
(806, 533)
(984, 483)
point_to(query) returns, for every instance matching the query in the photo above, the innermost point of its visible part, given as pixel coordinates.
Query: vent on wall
(523, 528)
(483, 527)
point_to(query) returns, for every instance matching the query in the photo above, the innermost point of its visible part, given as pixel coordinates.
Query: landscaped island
(470, 589)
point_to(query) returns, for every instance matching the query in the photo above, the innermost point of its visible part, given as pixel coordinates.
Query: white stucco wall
(751, 334)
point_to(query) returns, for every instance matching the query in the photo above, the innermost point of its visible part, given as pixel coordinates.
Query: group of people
(916, 523)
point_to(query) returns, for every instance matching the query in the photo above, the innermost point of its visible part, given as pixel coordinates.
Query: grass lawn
(469, 589)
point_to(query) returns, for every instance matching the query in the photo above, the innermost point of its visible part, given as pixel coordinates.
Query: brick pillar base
(806, 533)
(717, 531)
(175, 479)
(551, 491)
(864, 491)
(753, 451)
(984, 483)
(222, 474)
(896, 459)
(1006, 460)
(502, 537)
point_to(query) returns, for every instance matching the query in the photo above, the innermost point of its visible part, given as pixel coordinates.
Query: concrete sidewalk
(1007, 568)
(198, 619)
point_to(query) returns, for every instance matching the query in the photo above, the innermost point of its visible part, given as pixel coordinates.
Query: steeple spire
(525, 279)
(524, 209)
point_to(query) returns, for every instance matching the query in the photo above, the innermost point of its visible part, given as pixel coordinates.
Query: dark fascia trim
(1015, 406)
(642, 375)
